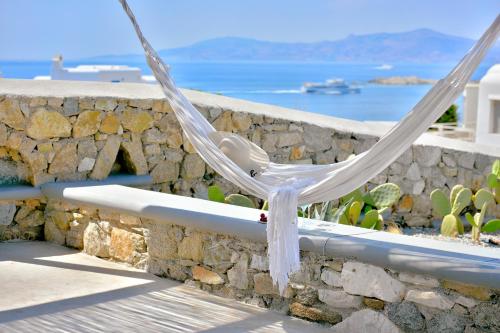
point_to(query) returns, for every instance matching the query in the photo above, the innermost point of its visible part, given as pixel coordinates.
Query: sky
(37, 30)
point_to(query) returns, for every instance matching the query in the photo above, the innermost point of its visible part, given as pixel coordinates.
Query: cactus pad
(239, 200)
(454, 191)
(440, 203)
(492, 180)
(215, 194)
(492, 226)
(385, 195)
(495, 169)
(462, 200)
(483, 197)
(370, 221)
(355, 195)
(449, 226)
(354, 212)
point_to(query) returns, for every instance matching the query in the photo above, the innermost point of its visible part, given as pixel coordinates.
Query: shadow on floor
(51, 288)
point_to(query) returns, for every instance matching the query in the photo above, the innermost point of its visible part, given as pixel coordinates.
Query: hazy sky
(35, 29)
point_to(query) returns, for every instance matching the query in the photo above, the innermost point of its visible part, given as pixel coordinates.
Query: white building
(107, 73)
(482, 107)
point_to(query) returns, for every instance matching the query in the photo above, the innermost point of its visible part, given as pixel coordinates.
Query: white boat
(106, 73)
(332, 87)
(384, 67)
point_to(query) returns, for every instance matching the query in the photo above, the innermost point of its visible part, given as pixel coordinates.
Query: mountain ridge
(417, 46)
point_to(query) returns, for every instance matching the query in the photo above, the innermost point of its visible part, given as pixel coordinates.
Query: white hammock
(286, 186)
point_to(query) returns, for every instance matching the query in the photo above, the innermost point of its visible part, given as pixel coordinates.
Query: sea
(279, 83)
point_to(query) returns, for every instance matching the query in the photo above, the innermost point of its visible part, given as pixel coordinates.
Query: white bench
(448, 260)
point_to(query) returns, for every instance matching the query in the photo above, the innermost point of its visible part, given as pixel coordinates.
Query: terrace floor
(49, 288)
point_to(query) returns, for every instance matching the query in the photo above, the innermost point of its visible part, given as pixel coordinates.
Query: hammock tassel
(283, 235)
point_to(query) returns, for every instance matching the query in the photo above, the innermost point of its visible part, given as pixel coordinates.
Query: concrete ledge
(23, 192)
(472, 265)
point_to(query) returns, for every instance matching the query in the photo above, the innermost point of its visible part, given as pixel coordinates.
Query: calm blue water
(279, 84)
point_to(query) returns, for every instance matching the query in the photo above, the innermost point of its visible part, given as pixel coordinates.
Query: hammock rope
(287, 185)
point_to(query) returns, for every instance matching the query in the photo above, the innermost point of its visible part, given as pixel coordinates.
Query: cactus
(461, 200)
(350, 213)
(381, 198)
(440, 203)
(385, 195)
(482, 197)
(239, 200)
(493, 180)
(491, 226)
(450, 226)
(354, 212)
(450, 210)
(372, 220)
(483, 200)
(216, 194)
(454, 192)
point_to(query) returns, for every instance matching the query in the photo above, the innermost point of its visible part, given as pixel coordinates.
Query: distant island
(401, 80)
(418, 46)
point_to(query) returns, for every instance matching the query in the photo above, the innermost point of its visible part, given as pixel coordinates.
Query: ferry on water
(332, 86)
(106, 73)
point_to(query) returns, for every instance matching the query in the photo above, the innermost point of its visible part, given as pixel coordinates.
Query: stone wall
(353, 296)
(62, 131)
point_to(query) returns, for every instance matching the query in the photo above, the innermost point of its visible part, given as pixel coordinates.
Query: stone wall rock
(315, 314)
(339, 299)
(7, 212)
(206, 276)
(106, 158)
(126, 246)
(11, 115)
(371, 281)
(48, 124)
(47, 138)
(96, 239)
(87, 123)
(366, 321)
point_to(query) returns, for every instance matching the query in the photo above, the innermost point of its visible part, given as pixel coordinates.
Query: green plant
(450, 209)
(493, 180)
(239, 200)
(449, 116)
(483, 200)
(383, 196)
(216, 194)
(319, 211)
(373, 203)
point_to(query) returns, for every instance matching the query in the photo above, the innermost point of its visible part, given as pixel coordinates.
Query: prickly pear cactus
(495, 169)
(493, 180)
(371, 220)
(355, 195)
(449, 226)
(462, 200)
(454, 192)
(385, 195)
(354, 212)
(482, 197)
(491, 226)
(440, 203)
(473, 220)
(239, 200)
(215, 194)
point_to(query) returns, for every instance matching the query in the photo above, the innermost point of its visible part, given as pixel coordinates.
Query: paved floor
(49, 288)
